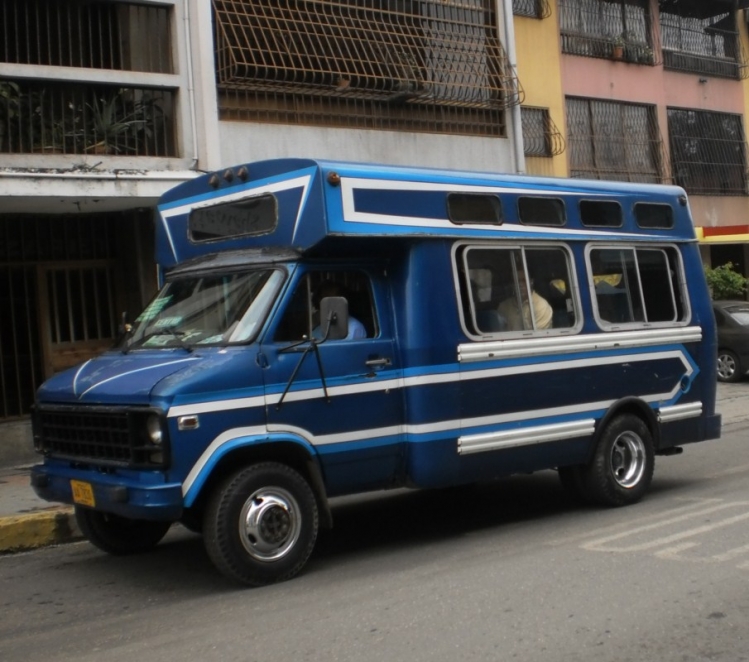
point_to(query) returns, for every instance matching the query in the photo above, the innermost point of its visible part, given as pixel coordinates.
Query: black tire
(119, 535)
(622, 466)
(729, 366)
(260, 524)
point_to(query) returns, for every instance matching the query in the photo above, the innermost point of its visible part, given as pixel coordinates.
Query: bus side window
(497, 286)
(637, 285)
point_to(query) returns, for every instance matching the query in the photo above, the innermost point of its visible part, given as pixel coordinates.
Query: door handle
(383, 361)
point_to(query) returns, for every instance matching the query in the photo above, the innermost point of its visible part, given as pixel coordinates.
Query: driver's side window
(301, 318)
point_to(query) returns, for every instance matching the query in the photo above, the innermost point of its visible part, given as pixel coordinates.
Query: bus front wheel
(261, 524)
(622, 466)
(119, 535)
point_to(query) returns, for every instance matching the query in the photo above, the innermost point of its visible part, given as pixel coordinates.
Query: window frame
(678, 279)
(493, 200)
(560, 203)
(464, 295)
(321, 274)
(589, 28)
(539, 9)
(228, 204)
(695, 142)
(705, 57)
(599, 201)
(653, 205)
(598, 152)
(438, 66)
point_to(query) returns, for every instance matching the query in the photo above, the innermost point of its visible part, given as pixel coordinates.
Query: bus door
(342, 396)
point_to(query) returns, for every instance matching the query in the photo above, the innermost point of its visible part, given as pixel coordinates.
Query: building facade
(105, 104)
(647, 91)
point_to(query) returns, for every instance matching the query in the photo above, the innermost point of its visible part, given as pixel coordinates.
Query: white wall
(243, 142)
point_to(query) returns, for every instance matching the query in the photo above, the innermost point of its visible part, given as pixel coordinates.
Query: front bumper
(113, 493)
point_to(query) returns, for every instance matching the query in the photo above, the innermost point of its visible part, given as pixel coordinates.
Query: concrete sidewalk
(26, 521)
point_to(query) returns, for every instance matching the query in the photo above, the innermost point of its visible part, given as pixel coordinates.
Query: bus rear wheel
(622, 466)
(261, 524)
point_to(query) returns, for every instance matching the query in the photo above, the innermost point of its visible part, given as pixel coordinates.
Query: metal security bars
(612, 29)
(531, 8)
(63, 118)
(614, 141)
(708, 45)
(433, 65)
(73, 297)
(541, 137)
(80, 300)
(98, 34)
(21, 361)
(708, 152)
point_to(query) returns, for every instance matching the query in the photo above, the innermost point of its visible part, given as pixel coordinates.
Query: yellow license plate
(83, 493)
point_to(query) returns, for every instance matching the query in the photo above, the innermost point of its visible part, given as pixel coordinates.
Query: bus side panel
(428, 335)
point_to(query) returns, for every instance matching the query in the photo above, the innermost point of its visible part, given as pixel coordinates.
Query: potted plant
(10, 106)
(617, 47)
(645, 55)
(115, 120)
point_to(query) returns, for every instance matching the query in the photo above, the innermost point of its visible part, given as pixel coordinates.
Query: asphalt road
(515, 571)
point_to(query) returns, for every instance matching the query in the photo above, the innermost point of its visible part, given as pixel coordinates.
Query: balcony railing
(615, 30)
(531, 8)
(62, 118)
(709, 46)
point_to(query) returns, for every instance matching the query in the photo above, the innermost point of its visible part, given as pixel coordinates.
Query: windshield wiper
(166, 331)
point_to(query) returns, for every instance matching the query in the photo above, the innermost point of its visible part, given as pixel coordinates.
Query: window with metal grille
(702, 39)
(431, 65)
(56, 284)
(69, 118)
(97, 34)
(540, 135)
(80, 300)
(531, 8)
(615, 29)
(708, 152)
(611, 140)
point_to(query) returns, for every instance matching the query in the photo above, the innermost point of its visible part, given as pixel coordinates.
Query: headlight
(153, 426)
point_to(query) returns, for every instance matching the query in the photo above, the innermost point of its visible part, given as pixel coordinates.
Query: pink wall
(621, 81)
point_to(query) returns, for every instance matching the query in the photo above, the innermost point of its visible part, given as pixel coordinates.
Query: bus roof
(299, 203)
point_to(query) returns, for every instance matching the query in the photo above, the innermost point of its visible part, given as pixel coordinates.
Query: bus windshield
(214, 309)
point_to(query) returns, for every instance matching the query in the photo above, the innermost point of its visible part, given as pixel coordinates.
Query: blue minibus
(328, 328)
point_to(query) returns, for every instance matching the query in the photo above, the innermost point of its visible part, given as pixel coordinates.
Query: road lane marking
(698, 503)
(601, 546)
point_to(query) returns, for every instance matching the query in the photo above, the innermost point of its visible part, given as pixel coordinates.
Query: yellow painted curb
(20, 532)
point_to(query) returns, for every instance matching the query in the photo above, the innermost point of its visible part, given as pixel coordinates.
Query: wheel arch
(630, 405)
(290, 452)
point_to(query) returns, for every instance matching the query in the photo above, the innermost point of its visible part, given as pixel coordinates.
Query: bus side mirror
(334, 318)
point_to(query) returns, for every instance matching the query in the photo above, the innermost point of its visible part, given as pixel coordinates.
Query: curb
(41, 529)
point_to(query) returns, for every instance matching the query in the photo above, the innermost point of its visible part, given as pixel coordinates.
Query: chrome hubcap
(726, 366)
(269, 524)
(628, 459)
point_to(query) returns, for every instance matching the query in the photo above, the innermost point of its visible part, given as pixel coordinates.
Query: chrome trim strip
(478, 443)
(422, 380)
(525, 347)
(680, 412)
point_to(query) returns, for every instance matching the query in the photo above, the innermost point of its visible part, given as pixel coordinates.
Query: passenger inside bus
(518, 317)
